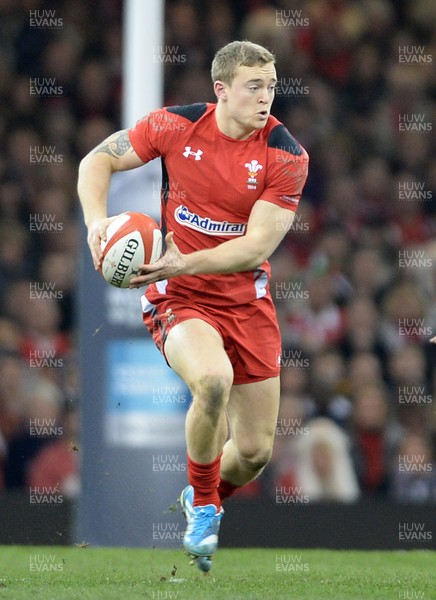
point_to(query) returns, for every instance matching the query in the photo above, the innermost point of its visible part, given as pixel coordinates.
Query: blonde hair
(235, 54)
(341, 483)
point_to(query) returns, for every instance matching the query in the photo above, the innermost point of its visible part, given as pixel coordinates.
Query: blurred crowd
(354, 281)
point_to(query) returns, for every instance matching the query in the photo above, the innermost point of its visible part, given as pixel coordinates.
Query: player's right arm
(113, 154)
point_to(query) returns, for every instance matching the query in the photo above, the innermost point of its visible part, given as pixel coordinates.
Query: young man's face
(249, 97)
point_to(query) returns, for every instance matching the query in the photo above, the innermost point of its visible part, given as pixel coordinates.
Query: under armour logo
(188, 152)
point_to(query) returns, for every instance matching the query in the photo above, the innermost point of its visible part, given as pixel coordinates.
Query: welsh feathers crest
(253, 167)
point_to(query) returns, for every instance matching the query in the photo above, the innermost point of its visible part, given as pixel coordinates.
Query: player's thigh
(252, 411)
(195, 351)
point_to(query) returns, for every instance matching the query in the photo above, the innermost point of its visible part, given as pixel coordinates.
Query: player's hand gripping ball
(133, 239)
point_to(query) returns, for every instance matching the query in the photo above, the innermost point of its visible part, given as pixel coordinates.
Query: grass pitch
(85, 573)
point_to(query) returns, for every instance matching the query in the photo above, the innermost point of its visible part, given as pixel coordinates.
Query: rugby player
(232, 179)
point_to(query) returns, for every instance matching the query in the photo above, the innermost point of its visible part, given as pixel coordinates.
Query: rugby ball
(133, 239)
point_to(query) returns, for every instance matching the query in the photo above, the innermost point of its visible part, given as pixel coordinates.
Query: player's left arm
(267, 225)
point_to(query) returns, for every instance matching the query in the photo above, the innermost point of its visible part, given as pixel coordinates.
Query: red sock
(204, 478)
(226, 489)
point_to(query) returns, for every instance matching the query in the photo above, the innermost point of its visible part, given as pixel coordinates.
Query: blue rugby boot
(201, 536)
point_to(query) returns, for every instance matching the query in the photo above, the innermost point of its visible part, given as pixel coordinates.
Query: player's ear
(220, 89)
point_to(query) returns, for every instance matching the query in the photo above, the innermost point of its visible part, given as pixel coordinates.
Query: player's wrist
(189, 264)
(91, 221)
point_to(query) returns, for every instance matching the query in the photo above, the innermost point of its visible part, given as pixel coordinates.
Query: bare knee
(211, 391)
(255, 457)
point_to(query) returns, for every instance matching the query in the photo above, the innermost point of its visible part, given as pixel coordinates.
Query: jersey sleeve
(151, 136)
(288, 165)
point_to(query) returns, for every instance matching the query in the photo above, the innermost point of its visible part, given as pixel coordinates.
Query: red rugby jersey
(209, 185)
